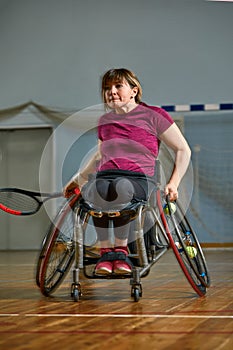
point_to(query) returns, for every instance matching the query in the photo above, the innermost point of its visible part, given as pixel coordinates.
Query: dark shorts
(115, 187)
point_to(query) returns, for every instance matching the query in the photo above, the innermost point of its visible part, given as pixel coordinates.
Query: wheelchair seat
(123, 209)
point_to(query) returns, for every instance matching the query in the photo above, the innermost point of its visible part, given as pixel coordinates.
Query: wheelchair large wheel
(187, 249)
(62, 213)
(58, 250)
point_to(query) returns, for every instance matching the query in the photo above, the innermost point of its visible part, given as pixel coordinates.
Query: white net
(211, 208)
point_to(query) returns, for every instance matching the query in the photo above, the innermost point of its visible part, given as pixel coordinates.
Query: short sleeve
(163, 118)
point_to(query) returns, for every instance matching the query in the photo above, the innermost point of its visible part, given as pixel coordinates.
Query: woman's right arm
(81, 177)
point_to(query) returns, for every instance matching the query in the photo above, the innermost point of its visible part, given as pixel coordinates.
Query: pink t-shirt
(131, 141)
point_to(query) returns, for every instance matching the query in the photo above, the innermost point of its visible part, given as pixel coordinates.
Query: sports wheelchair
(65, 245)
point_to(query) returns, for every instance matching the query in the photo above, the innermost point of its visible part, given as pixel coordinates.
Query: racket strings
(18, 201)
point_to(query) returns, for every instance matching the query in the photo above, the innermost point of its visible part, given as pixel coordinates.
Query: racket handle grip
(77, 191)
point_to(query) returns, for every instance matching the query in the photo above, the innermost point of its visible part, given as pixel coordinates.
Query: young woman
(129, 135)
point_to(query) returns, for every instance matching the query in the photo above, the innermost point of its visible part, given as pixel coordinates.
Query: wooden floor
(168, 316)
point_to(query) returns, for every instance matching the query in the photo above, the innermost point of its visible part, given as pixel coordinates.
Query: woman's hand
(69, 189)
(172, 191)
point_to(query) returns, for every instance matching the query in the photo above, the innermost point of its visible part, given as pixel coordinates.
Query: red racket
(17, 201)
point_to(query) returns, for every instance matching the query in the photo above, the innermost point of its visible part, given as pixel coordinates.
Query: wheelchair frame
(64, 245)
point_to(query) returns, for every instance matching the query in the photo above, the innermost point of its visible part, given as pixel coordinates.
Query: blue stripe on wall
(198, 107)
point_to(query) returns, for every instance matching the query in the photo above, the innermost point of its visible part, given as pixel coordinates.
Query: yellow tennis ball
(166, 209)
(192, 251)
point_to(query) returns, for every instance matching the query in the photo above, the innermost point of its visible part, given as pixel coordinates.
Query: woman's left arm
(174, 139)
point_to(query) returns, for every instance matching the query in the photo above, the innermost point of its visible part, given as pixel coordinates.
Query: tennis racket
(17, 201)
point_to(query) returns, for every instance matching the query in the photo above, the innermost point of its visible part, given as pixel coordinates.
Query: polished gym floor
(168, 316)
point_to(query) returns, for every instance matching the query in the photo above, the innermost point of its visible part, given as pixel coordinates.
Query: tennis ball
(166, 209)
(192, 251)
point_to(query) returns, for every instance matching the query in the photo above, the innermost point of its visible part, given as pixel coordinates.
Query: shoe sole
(122, 272)
(103, 272)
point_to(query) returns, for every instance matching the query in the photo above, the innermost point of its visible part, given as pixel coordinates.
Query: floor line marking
(9, 315)
(121, 316)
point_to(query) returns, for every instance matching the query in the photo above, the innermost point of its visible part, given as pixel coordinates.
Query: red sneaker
(121, 267)
(104, 267)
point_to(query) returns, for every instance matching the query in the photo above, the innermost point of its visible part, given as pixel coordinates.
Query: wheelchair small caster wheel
(76, 292)
(136, 294)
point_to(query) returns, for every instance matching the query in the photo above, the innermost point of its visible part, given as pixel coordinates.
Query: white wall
(54, 51)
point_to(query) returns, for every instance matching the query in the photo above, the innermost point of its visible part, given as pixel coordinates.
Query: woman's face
(119, 94)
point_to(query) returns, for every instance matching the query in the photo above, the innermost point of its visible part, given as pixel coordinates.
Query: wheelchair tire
(187, 250)
(136, 294)
(41, 259)
(57, 253)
